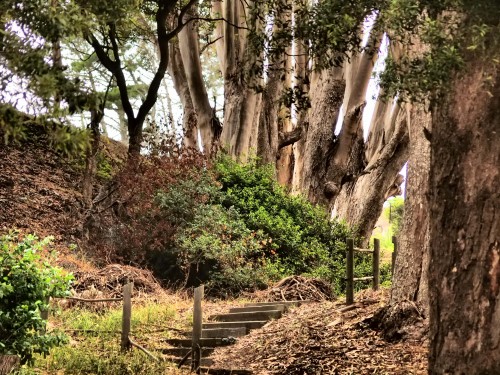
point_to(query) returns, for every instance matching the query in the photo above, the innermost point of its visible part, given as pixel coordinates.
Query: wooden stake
(350, 272)
(197, 327)
(127, 316)
(376, 263)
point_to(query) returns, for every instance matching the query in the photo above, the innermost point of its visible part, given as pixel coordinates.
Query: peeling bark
(362, 197)
(190, 53)
(189, 120)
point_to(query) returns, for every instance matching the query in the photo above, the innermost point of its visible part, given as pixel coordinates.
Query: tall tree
(460, 72)
(464, 270)
(113, 31)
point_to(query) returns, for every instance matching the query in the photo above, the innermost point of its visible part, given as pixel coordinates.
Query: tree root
(400, 321)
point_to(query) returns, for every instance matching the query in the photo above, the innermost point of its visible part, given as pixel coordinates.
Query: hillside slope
(40, 189)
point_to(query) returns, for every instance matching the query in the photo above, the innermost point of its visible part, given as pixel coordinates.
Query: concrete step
(211, 331)
(221, 371)
(204, 342)
(279, 307)
(181, 352)
(248, 316)
(247, 325)
(286, 303)
(205, 362)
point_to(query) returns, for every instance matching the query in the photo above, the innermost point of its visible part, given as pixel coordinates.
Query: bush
(216, 247)
(304, 239)
(228, 225)
(26, 283)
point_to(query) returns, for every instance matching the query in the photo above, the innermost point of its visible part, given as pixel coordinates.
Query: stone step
(205, 362)
(211, 342)
(181, 352)
(224, 331)
(221, 371)
(286, 303)
(279, 307)
(248, 316)
(246, 325)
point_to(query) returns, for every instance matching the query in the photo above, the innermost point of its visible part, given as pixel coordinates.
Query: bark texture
(241, 103)
(318, 145)
(464, 272)
(406, 314)
(410, 281)
(206, 120)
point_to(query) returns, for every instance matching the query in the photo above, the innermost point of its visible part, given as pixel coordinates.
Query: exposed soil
(40, 189)
(318, 338)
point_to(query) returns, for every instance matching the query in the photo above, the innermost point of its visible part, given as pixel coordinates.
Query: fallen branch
(94, 300)
(143, 349)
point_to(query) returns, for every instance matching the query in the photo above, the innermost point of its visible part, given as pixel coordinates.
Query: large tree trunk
(464, 272)
(407, 311)
(241, 103)
(318, 144)
(205, 115)
(361, 199)
(410, 282)
(189, 120)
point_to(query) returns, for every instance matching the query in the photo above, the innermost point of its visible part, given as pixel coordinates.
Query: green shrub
(394, 213)
(216, 247)
(26, 283)
(304, 240)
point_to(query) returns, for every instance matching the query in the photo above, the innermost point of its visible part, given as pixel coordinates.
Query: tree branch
(163, 41)
(180, 23)
(400, 133)
(114, 67)
(289, 138)
(100, 52)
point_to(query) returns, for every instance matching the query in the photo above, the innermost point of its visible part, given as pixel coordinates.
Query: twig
(144, 350)
(90, 331)
(92, 300)
(348, 308)
(184, 359)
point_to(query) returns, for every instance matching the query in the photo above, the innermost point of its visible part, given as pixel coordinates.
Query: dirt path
(318, 339)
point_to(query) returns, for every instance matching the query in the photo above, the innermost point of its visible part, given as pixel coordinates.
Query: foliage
(16, 127)
(98, 333)
(302, 238)
(218, 247)
(230, 225)
(445, 34)
(394, 213)
(25, 286)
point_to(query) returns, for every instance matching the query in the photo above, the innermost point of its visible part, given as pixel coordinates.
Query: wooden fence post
(127, 315)
(197, 327)
(44, 314)
(350, 272)
(394, 254)
(376, 263)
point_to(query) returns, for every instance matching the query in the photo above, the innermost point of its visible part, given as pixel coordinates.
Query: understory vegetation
(94, 338)
(230, 226)
(27, 281)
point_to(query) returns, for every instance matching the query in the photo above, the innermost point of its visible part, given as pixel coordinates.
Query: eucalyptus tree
(288, 67)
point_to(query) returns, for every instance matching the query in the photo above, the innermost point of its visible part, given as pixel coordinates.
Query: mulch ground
(318, 338)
